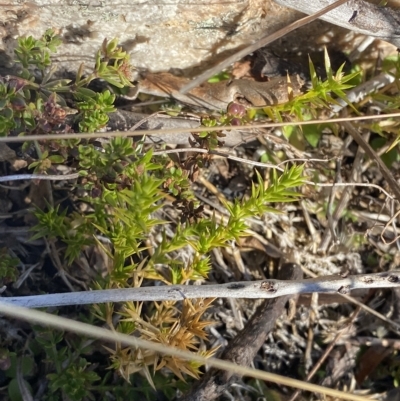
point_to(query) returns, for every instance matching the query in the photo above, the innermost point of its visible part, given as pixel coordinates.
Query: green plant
(126, 199)
(320, 96)
(30, 107)
(120, 211)
(8, 267)
(125, 186)
(72, 377)
(19, 368)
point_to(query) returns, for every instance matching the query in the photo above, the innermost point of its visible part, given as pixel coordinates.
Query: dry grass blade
(251, 127)
(112, 336)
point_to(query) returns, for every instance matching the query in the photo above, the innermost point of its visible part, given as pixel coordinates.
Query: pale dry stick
(255, 46)
(262, 289)
(50, 177)
(351, 184)
(305, 160)
(370, 341)
(117, 134)
(327, 352)
(149, 103)
(369, 216)
(86, 330)
(395, 326)
(356, 53)
(358, 93)
(395, 230)
(358, 16)
(143, 120)
(379, 152)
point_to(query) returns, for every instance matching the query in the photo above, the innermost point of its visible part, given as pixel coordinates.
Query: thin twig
(50, 177)
(261, 289)
(371, 341)
(358, 93)
(395, 326)
(143, 120)
(115, 134)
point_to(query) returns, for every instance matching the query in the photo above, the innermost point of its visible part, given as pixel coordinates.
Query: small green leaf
(85, 92)
(57, 159)
(15, 393)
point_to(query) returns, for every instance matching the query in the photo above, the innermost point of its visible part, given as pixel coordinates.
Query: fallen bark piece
(123, 120)
(356, 15)
(217, 96)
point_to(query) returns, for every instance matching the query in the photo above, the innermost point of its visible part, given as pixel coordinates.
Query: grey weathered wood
(159, 34)
(356, 15)
(264, 289)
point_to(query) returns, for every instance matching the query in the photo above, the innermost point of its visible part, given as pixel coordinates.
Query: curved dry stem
(85, 329)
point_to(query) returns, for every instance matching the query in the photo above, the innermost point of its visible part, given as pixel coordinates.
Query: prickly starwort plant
(124, 189)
